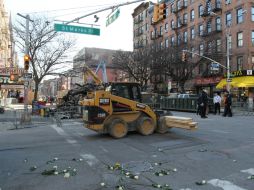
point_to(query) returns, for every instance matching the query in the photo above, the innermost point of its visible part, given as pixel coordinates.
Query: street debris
(33, 168)
(203, 150)
(164, 187)
(251, 177)
(203, 182)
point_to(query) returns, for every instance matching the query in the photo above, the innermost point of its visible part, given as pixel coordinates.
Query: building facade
(205, 27)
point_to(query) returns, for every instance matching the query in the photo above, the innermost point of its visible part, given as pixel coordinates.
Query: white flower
(203, 181)
(120, 188)
(55, 167)
(156, 164)
(127, 173)
(159, 186)
(160, 174)
(69, 168)
(55, 173)
(160, 149)
(136, 177)
(102, 184)
(67, 175)
(64, 171)
(74, 169)
(166, 185)
(55, 159)
(111, 168)
(174, 170)
(80, 159)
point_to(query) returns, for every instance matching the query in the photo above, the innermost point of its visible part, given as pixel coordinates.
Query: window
(178, 4)
(192, 15)
(228, 2)
(185, 3)
(201, 49)
(179, 39)
(166, 9)
(161, 31)
(192, 33)
(172, 8)
(228, 19)
(239, 39)
(209, 27)
(185, 37)
(252, 61)
(239, 14)
(179, 22)
(166, 43)
(200, 29)
(146, 26)
(229, 42)
(209, 47)
(240, 63)
(172, 41)
(185, 18)
(172, 24)
(218, 45)
(193, 50)
(252, 38)
(218, 24)
(161, 45)
(252, 13)
(200, 10)
(166, 27)
(152, 34)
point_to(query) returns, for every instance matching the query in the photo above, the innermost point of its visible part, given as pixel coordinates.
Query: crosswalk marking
(225, 185)
(249, 171)
(90, 159)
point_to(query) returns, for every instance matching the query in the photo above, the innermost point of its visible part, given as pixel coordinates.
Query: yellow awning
(245, 81)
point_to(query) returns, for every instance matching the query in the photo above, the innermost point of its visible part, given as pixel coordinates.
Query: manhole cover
(137, 166)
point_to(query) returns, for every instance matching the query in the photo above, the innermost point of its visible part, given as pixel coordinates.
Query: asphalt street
(219, 155)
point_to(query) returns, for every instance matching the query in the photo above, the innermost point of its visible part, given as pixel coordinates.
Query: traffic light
(184, 57)
(162, 11)
(155, 13)
(26, 62)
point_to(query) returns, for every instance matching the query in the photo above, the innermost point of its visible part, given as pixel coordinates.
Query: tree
(47, 49)
(135, 64)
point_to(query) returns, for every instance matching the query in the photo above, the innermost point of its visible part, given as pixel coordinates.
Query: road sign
(77, 29)
(113, 17)
(215, 66)
(229, 80)
(28, 75)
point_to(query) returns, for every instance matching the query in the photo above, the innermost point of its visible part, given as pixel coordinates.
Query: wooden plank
(178, 118)
(188, 127)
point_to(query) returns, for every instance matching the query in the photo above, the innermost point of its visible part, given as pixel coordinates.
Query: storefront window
(240, 63)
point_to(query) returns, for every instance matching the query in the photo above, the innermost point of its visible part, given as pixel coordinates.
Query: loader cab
(129, 90)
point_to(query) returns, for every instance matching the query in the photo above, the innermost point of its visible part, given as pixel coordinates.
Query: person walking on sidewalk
(228, 104)
(217, 102)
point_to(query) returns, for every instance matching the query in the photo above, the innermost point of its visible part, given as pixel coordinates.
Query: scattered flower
(102, 184)
(160, 149)
(136, 177)
(55, 159)
(251, 177)
(33, 168)
(203, 182)
(25, 161)
(55, 167)
(67, 175)
(55, 173)
(174, 170)
(64, 171)
(127, 173)
(74, 170)
(80, 159)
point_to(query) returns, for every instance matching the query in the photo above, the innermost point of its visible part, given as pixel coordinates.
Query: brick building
(201, 26)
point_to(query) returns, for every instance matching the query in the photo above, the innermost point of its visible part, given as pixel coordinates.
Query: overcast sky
(118, 35)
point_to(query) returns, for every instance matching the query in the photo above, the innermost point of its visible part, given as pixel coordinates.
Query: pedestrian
(228, 104)
(217, 102)
(203, 103)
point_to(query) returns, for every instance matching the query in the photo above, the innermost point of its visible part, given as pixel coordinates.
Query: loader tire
(162, 126)
(118, 128)
(146, 126)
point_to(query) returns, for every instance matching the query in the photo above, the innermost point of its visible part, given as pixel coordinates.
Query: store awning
(237, 82)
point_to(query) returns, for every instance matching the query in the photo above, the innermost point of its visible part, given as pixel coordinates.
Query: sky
(118, 35)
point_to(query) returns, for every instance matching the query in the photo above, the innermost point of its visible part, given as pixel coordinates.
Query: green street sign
(113, 17)
(76, 29)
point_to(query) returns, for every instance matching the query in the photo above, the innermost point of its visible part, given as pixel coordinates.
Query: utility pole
(26, 117)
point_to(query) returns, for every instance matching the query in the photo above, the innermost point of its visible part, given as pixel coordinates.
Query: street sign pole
(25, 71)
